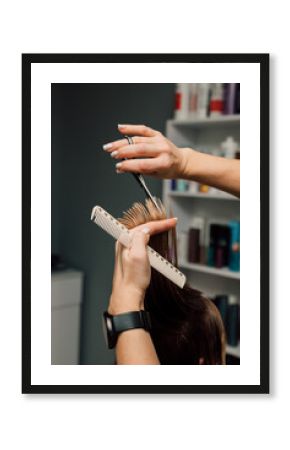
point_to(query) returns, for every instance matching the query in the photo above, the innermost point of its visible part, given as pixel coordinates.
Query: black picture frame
(263, 61)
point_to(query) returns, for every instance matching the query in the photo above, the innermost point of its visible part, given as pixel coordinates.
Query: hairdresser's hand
(156, 155)
(132, 269)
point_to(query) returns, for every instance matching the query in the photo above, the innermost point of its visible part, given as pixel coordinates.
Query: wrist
(191, 164)
(186, 163)
(125, 300)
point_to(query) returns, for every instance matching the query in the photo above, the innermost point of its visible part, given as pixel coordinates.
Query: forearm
(215, 171)
(136, 347)
(133, 346)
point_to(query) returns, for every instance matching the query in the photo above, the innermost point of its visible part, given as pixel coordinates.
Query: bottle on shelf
(173, 185)
(181, 110)
(229, 147)
(234, 257)
(203, 100)
(181, 185)
(193, 187)
(193, 90)
(193, 245)
(232, 321)
(216, 100)
(218, 251)
(182, 245)
(203, 188)
(196, 241)
(231, 97)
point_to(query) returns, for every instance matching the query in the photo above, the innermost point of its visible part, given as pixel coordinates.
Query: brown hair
(186, 326)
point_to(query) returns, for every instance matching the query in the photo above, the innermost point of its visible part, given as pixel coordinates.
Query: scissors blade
(141, 180)
(146, 189)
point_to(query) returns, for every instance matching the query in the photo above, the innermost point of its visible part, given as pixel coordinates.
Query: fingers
(117, 250)
(150, 166)
(136, 150)
(148, 228)
(157, 226)
(138, 245)
(116, 145)
(139, 130)
(125, 239)
(118, 261)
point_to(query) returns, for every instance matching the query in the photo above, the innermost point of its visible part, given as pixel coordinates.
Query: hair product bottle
(182, 244)
(181, 109)
(216, 101)
(182, 185)
(229, 147)
(193, 245)
(202, 100)
(231, 104)
(232, 322)
(193, 101)
(197, 240)
(234, 258)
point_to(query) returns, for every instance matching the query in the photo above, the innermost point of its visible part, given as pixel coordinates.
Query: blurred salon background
(205, 117)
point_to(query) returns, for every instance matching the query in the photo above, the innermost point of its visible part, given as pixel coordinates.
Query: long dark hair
(186, 326)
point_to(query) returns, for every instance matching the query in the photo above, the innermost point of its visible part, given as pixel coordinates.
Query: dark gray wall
(84, 117)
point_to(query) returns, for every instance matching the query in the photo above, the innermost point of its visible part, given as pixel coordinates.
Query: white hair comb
(113, 227)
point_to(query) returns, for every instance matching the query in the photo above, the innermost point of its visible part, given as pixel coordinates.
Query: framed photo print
(145, 223)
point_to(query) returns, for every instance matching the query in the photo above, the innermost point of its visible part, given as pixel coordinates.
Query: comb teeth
(113, 227)
(166, 268)
(107, 222)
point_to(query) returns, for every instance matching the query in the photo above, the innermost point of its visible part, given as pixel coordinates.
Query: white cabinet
(66, 300)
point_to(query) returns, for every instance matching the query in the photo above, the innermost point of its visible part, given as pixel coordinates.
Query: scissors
(139, 178)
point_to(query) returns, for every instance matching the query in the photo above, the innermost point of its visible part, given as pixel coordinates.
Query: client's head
(186, 326)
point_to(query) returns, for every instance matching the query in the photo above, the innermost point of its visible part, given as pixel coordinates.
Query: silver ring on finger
(130, 140)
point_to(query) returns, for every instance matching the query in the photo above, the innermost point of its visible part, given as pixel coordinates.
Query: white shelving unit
(207, 121)
(221, 196)
(205, 135)
(226, 273)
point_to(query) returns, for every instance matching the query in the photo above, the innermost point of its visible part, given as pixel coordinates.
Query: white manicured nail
(120, 125)
(118, 165)
(146, 230)
(115, 153)
(107, 146)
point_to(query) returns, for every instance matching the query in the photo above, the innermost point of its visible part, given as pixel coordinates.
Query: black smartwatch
(114, 325)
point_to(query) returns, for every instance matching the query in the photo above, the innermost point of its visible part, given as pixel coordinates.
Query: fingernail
(115, 153)
(119, 171)
(176, 218)
(118, 165)
(120, 125)
(107, 146)
(146, 230)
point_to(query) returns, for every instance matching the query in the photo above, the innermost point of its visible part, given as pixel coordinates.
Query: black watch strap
(131, 320)
(114, 325)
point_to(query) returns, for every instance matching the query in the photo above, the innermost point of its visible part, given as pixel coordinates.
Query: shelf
(223, 196)
(233, 351)
(214, 206)
(226, 273)
(220, 120)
